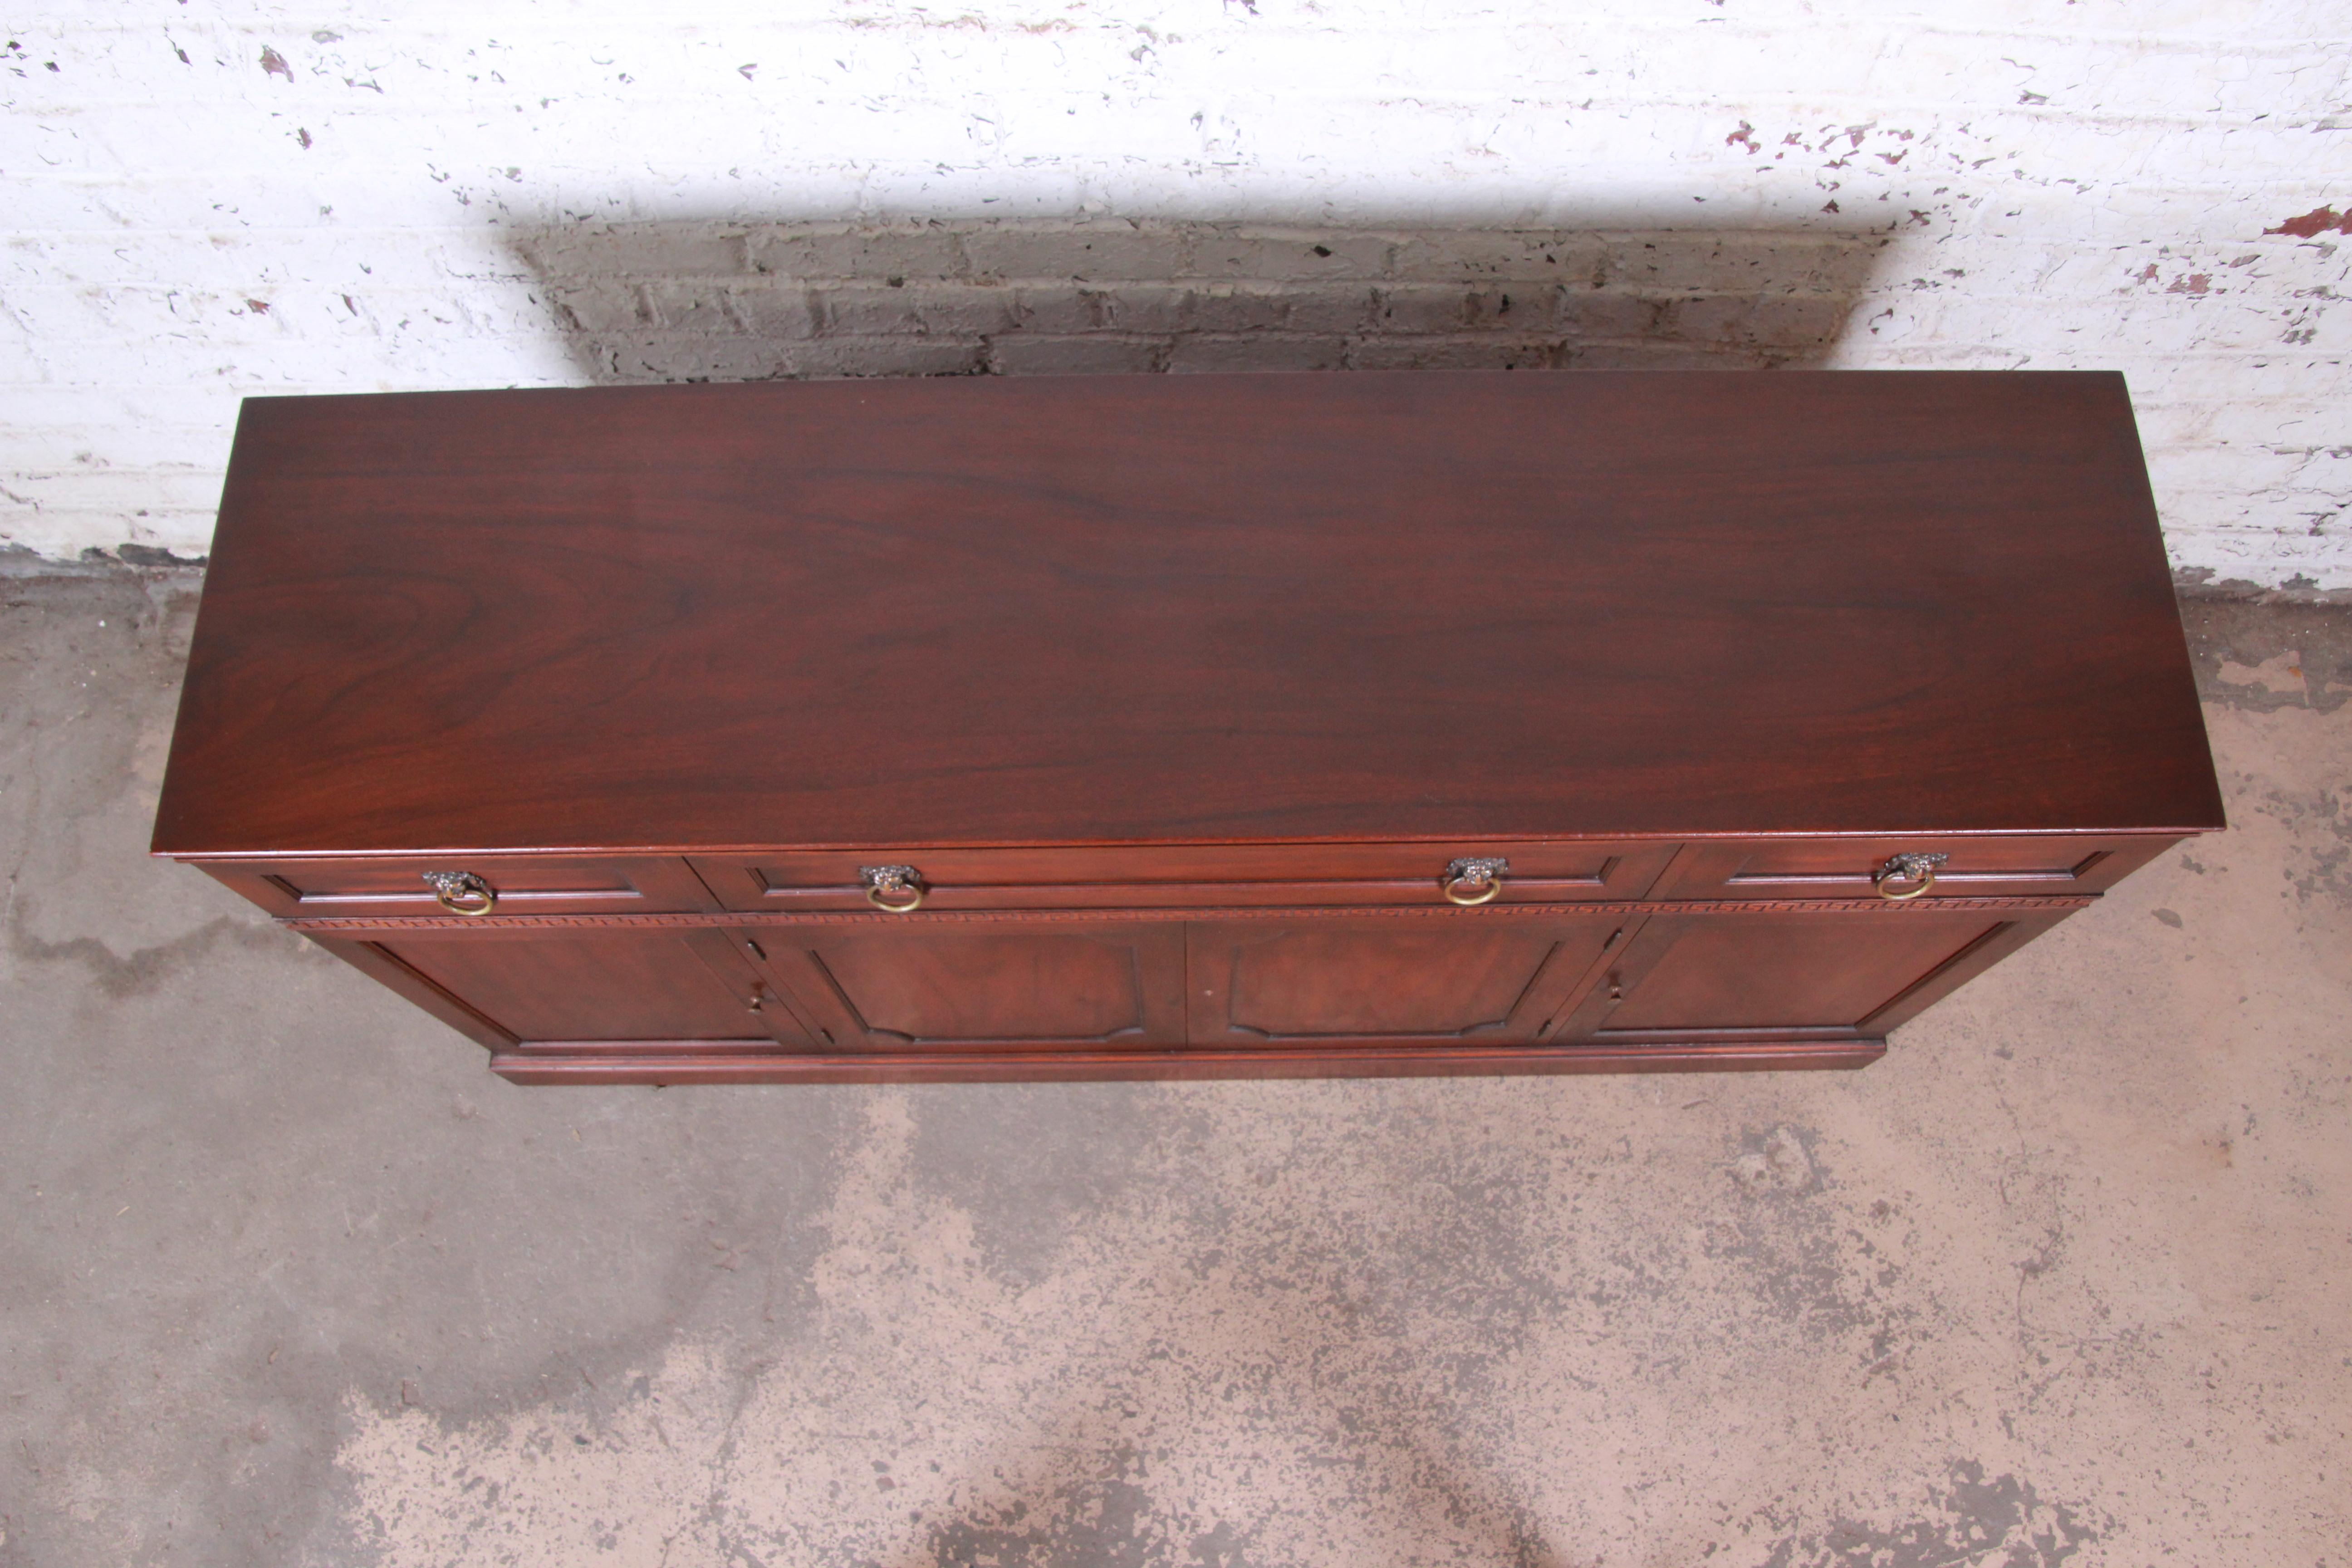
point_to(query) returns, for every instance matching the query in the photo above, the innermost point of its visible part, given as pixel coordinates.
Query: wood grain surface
(1140, 610)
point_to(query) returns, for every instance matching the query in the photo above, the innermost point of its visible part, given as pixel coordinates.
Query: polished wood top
(1421, 605)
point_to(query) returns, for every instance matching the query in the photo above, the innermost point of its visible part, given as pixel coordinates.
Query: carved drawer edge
(327, 925)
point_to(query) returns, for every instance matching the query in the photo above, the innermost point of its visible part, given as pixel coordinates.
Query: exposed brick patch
(713, 301)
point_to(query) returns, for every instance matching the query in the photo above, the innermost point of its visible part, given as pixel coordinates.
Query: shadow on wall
(732, 302)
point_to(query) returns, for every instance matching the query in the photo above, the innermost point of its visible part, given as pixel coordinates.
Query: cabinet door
(980, 984)
(1831, 974)
(1430, 979)
(506, 988)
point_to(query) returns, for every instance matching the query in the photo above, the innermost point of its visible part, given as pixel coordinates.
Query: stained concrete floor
(286, 1277)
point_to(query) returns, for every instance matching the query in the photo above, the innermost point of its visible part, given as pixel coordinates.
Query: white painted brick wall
(204, 201)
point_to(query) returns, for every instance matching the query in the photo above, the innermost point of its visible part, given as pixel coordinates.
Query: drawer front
(1193, 876)
(514, 884)
(1865, 867)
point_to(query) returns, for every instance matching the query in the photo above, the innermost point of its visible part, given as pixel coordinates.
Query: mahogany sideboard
(1187, 726)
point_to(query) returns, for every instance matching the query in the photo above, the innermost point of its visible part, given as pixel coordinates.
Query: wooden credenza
(1218, 726)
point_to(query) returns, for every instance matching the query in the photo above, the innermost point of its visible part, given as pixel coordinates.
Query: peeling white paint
(207, 203)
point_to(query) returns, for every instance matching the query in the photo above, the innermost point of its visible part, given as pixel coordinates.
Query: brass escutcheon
(1917, 869)
(885, 884)
(1473, 882)
(461, 892)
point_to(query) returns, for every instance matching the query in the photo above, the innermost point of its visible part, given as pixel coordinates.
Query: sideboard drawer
(1190, 875)
(511, 884)
(2025, 865)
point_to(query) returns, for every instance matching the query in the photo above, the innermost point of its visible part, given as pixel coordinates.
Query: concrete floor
(286, 1278)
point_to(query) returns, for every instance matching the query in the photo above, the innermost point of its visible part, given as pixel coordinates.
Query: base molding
(666, 1062)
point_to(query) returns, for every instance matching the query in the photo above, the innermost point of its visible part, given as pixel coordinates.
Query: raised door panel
(981, 984)
(1439, 979)
(1813, 974)
(606, 986)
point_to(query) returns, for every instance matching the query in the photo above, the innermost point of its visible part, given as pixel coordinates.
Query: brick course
(522, 196)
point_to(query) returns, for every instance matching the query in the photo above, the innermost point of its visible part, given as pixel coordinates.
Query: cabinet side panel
(379, 965)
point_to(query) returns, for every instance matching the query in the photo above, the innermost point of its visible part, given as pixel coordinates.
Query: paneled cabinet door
(927, 983)
(1808, 974)
(506, 987)
(1435, 979)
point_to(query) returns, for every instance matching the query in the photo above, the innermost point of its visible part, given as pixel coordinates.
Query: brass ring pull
(1919, 869)
(1473, 882)
(897, 889)
(461, 892)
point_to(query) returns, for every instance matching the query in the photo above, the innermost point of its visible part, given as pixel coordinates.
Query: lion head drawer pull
(1469, 882)
(898, 889)
(1920, 871)
(462, 892)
